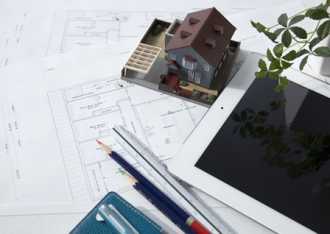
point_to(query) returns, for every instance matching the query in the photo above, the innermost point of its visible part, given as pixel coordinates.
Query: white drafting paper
(24, 34)
(25, 27)
(76, 29)
(250, 38)
(11, 37)
(33, 47)
(53, 111)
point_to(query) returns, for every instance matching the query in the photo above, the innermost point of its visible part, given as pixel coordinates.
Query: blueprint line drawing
(11, 39)
(87, 112)
(77, 115)
(80, 28)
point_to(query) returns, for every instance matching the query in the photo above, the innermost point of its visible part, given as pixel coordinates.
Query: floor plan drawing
(81, 28)
(88, 112)
(48, 131)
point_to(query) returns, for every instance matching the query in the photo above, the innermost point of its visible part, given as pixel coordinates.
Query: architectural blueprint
(90, 110)
(79, 113)
(11, 38)
(37, 45)
(80, 28)
(23, 35)
(49, 132)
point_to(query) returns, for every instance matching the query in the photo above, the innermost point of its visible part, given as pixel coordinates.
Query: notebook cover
(143, 224)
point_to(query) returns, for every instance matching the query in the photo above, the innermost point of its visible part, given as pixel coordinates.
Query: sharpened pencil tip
(106, 148)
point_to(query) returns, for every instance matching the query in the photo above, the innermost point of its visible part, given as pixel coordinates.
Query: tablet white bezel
(183, 165)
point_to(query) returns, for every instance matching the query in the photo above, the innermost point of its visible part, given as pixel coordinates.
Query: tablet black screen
(275, 147)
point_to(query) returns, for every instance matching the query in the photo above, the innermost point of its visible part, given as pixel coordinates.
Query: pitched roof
(206, 31)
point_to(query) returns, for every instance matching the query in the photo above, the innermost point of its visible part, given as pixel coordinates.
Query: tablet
(264, 153)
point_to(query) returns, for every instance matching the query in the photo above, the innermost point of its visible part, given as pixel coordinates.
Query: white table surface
(62, 223)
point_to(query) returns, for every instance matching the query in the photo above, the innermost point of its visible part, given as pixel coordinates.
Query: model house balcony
(142, 58)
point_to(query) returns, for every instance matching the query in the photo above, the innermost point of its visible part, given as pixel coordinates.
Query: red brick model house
(199, 46)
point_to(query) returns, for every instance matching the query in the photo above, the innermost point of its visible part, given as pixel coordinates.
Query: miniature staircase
(142, 58)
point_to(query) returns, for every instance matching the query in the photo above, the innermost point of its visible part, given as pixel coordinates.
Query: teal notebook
(141, 223)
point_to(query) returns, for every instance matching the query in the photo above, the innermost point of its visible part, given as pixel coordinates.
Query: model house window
(194, 76)
(206, 67)
(190, 75)
(188, 62)
(197, 77)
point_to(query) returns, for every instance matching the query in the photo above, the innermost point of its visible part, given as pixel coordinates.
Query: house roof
(207, 32)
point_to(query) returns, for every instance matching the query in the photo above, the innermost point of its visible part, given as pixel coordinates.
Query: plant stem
(300, 12)
(298, 41)
(311, 37)
(305, 42)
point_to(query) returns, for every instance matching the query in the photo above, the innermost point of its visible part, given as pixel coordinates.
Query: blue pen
(181, 215)
(142, 179)
(167, 211)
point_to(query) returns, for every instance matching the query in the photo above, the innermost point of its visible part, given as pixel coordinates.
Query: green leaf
(261, 74)
(275, 74)
(278, 50)
(321, 6)
(278, 31)
(270, 35)
(299, 32)
(323, 51)
(328, 3)
(270, 55)
(284, 81)
(286, 38)
(290, 56)
(301, 53)
(317, 13)
(282, 84)
(277, 89)
(314, 42)
(324, 30)
(260, 27)
(275, 64)
(283, 20)
(296, 19)
(262, 65)
(285, 64)
(303, 63)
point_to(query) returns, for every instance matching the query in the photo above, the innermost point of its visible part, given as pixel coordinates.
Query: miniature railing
(142, 58)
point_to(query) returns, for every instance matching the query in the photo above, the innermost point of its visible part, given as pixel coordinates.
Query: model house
(190, 58)
(198, 47)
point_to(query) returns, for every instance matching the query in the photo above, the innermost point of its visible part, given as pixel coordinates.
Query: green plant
(293, 42)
